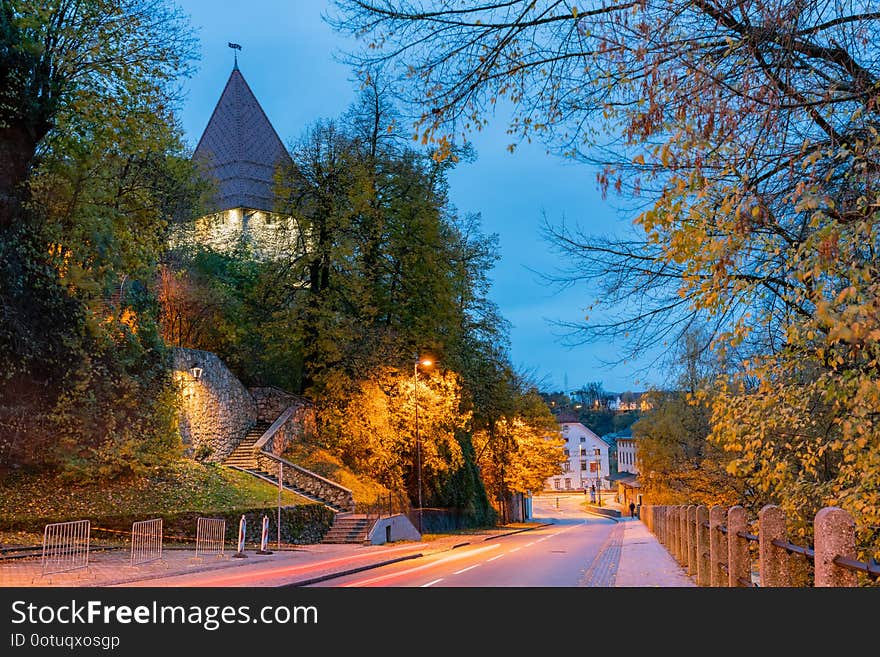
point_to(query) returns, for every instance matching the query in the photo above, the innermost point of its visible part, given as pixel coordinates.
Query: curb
(350, 571)
(602, 515)
(518, 531)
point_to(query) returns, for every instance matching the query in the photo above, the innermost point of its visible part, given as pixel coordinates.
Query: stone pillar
(773, 561)
(692, 539)
(717, 547)
(739, 564)
(682, 536)
(675, 527)
(703, 572)
(834, 535)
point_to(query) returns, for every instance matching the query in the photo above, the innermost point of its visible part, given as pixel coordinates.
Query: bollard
(692, 540)
(264, 537)
(739, 566)
(703, 572)
(242, 525)
(717, 547)
(773, 561)
(834, 536)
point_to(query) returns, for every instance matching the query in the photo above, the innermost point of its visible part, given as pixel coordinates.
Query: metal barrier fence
(146, 541)
(66, 546)
(210, 536)
(717, 548)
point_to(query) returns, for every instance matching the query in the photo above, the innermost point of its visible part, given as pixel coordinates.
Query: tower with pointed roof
(238, 154)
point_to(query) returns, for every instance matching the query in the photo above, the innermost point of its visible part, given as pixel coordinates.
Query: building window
(594, 466)
(558, 484)
(583, 465)
(583, 439)
(566, 467)
(568, 483)
(566, 452)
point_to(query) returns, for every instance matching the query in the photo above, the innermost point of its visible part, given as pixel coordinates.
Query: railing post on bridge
(659, 520)
(773, 560)
(834, 536)
(703, 572)
(667, 527)
(692, 539)
(682, 536)
(739, 566)
(717, 547)
(673, 533)
(677, 540)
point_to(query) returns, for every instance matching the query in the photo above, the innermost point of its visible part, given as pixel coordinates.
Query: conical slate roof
(240, 150)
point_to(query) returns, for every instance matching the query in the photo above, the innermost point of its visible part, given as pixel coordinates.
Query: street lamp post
(427, 363)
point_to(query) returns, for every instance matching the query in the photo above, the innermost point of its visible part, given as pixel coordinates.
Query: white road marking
(493, 558)
(431, 583)
(515, 550)
(431, 564)
(464, 570)
(530, 544)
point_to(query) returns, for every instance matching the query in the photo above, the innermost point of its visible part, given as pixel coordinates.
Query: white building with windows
(586, 461)
(627, 454)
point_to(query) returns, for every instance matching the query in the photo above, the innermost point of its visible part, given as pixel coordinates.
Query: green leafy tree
(90, 173)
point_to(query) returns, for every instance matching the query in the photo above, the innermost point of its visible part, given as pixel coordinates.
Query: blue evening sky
(289, 59)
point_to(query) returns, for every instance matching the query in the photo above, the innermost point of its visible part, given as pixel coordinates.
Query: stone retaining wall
(216, 410)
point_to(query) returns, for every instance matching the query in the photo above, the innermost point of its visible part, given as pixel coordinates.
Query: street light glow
(427, 362)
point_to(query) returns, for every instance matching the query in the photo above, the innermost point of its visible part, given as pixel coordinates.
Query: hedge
(303, 523)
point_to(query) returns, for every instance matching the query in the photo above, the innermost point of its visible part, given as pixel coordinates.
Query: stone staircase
(242, 457)
(349, 528)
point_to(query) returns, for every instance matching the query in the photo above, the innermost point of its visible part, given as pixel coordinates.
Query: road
(576, 550)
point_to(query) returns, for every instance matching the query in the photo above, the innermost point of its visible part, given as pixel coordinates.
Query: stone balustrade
(717, 548)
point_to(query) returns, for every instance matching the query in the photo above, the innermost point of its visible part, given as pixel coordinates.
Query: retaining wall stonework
(216, 411)
(272, 402)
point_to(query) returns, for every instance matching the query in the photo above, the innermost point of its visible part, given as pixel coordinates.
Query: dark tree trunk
(17, 149)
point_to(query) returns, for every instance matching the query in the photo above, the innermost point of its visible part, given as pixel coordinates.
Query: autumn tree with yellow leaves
(745, 134)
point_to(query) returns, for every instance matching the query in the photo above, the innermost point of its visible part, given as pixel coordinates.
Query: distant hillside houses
(630, 401)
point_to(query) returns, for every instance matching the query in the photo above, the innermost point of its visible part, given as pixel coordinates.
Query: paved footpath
(644, 561)
(632, 557)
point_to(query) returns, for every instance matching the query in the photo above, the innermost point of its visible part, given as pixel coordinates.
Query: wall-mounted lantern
(196, 371)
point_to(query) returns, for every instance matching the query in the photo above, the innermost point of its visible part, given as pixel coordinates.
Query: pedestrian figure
(632, 509)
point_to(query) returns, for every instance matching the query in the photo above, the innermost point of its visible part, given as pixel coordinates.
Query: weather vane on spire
(235, 46)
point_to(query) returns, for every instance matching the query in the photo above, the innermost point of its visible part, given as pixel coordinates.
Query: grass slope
(184, 486)
(322, 462)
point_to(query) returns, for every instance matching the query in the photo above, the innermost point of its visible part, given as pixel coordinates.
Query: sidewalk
(644, 562)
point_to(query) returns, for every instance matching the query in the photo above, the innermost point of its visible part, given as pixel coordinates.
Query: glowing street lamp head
(427, 362)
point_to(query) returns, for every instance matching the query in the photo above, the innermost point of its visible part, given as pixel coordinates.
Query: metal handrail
(791, 548)
(747, 536)
(870, 568)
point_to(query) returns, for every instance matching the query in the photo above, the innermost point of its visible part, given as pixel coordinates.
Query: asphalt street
(564, 554)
